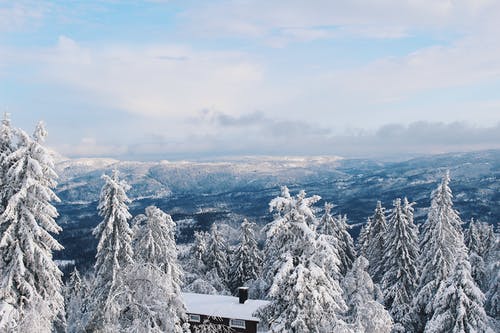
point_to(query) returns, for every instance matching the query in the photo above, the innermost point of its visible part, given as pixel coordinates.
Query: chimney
(243, 294)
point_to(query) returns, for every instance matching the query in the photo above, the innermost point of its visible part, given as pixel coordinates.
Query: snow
(222, 306)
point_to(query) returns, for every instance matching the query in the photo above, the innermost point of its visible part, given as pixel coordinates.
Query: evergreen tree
(217, 254)
(441, 243)
(7, 146)
(247, 259)
(150, 296)
(458, 304)
(114, 252)
(363, 238)
(31, 282)
(340, 237)
(305, 298)
(400, 279)
(492, 304)
(75, 292)
(480, 240)
(376, 243)
(364, 313)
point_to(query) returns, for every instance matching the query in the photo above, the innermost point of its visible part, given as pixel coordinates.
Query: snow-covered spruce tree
(441, 242)
(304, 297)
(150, 295)
(458, 304)
(217, 255)
(7, 146)
(247, 259)
(336, 228)
(376, 243)
(364, 313)
(31, 282)
(401, 277)
(198, 277)
(492, 304)
(480, 240)
(363, 238)
(75, 291)
(114, 253)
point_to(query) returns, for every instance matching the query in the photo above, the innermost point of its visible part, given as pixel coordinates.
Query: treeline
(397, 278)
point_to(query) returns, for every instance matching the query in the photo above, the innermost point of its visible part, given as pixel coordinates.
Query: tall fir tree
(217, 255)
(441, 243)
(247, 259)
(376, 243)
(7, 146)
(336, 228)
(365, 314)
(401, 277)
(305, 298)
(75, 292)
(363, 238)
(150, 296)
(480, 240)
(31, 282)
(114, 252)
(492, 304)
(458, 304)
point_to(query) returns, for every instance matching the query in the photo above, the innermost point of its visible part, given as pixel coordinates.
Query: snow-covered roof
(222, 306)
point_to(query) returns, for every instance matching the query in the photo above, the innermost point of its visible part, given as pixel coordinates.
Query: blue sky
(191, 79)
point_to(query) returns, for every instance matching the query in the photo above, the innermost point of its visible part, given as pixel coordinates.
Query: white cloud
(153, 80)
(15, 15)
(273, 20)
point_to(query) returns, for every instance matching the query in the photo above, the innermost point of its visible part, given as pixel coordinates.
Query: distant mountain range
(197, 194)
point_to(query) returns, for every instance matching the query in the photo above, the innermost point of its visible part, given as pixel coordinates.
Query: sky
(151, 80)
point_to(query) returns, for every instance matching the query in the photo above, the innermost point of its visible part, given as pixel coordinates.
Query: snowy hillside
(199, 193)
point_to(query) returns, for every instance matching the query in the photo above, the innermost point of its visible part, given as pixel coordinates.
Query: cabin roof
(222, 306)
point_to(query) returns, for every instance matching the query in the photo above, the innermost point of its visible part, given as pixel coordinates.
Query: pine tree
(363, 238)
(114, 252)
(7, 146)
(376, 243)
(217, 254)
(340, 238)
(492, 304)
(441, 243)
(247, 259)
(75, 292)
(150, 296)
(364, 313)
(305, 298)
(400, 279)
(31, 282)
(480, 240)
(458, 304)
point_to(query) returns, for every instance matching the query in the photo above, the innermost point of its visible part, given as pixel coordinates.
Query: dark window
(237, 323)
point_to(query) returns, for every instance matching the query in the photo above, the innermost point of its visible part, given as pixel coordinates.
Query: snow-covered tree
(376, 243)
(364, 313)
(7, 146)
(401, 277)
(337, 228)
(114, 252)
(458, 304)
(480, 240)
(30, 280)
(217, 254)
(150, 295)
(304, 297)
(75, 291)
(492, 304)
(441, 243)
(363, 238)
(247, 259)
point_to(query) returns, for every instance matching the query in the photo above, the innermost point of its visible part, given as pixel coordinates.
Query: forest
(397, 276)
